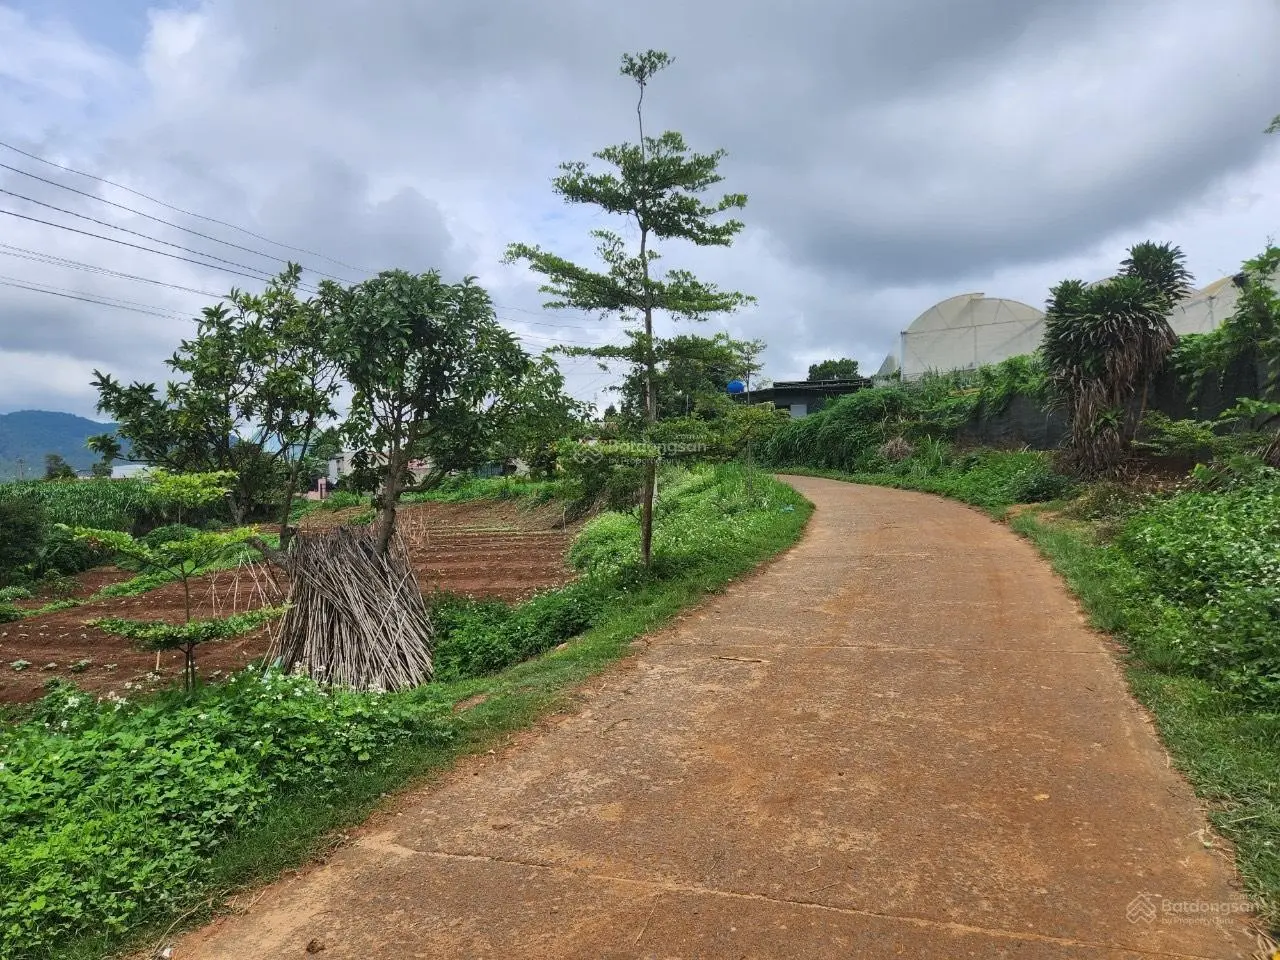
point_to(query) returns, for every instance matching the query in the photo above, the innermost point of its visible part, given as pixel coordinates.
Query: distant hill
(28, 435)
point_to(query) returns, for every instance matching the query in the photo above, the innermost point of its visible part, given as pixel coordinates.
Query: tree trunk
(646, 512)
(289, 493)
(387, 513)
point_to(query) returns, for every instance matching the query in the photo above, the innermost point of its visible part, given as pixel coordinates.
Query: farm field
(497, 550)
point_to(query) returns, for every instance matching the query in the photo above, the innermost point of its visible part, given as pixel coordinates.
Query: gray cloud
(893, 153)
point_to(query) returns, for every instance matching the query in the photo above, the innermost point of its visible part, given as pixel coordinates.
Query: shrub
(475, 637)
(170, 533)
(112, 809)
(1210, 569)
(22, 533)
(62, 555)
(341, 499)
(9, 594)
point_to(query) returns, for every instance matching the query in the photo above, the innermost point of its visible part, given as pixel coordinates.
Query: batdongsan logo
(1143, 908)
(1146, 908)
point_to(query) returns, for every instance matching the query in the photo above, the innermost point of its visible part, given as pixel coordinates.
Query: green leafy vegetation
(115, 815)
(1103, 344)
(128, 504)
(464, 488)
(252, 395)
(108, 810)
(842, 369)
(870, 430)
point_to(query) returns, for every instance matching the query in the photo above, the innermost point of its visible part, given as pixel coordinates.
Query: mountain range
(27, 435)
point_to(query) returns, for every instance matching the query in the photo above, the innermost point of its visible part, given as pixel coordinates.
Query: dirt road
(899, 740)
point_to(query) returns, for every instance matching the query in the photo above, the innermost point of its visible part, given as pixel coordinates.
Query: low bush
(700, 512)
(1209, 568)
(170, 533)
(869, 431)
(476, 637)
(465, 487)
(110, 809)
(22, 532)
(340, 500)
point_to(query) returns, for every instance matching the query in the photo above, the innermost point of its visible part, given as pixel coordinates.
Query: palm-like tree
(1104, 342)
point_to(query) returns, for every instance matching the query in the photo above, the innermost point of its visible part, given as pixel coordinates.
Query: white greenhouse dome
(973, 330)
(966, 332)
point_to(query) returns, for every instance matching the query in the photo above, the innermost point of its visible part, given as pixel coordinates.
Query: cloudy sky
(894, 154)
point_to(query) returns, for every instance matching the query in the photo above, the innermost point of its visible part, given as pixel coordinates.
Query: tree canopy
(253, 389)
(842, 369)
(1104, 342)
(436, 380)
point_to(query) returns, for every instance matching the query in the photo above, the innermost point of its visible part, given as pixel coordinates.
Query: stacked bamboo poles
(356, 619)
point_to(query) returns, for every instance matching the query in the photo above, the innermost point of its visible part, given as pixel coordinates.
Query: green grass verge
(303, 823)
(1227, 748)
(991, 480)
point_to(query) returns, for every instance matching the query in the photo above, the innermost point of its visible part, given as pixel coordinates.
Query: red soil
(483, 550)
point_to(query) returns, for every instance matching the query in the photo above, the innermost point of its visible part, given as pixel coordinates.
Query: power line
(23, 253)
(135, 233)
(102, 303)
(155, 311)
(100, 296)
(187, 213)
(161, 220)
(126, 243)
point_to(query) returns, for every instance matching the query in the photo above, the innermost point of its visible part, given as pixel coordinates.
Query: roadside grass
(299, 823)
(464, 488)
(991, 480)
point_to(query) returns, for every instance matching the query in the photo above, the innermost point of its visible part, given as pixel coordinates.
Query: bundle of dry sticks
(356, 618)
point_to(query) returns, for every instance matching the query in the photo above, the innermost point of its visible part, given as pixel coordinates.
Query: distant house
(342, 465)
(801, 397)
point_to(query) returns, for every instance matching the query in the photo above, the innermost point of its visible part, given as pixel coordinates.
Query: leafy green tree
(56, 468)
(255, 389)
(189, 491)
(181, 558)
(436, 379)
(690, 376)
(842, 369)
(657, 183)
(1251, 335)
(542, 413)
(1102, 345)
(158, 635)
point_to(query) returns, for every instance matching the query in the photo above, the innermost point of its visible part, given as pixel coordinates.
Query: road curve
(898, 740)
